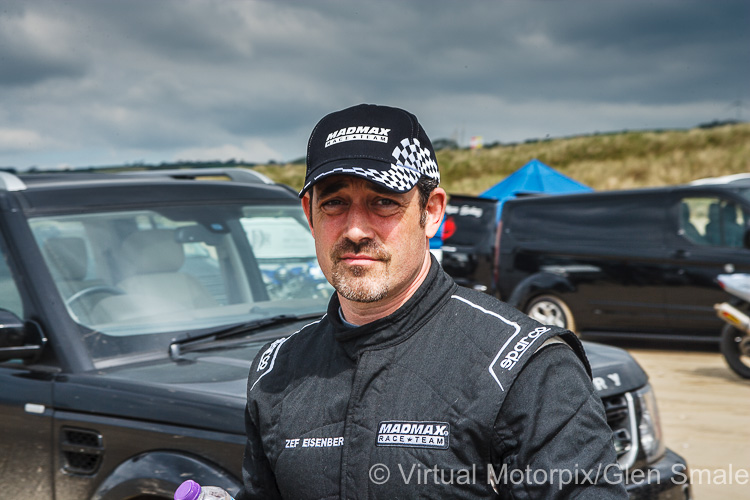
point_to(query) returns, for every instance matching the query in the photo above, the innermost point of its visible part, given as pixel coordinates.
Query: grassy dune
(604, 162)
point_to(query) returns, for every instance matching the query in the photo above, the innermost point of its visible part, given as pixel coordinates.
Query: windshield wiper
(189, 343)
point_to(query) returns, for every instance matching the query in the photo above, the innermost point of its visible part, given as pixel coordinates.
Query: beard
(360, 283)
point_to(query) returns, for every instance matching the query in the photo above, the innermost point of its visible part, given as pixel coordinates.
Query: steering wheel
(92, 290)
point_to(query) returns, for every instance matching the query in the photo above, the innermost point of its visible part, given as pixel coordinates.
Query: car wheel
(549, 310)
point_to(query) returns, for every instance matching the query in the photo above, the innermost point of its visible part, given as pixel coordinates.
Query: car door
(706, 240)
(616, 264)
(25, 411)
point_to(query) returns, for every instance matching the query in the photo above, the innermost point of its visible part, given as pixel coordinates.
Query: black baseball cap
(384, 145)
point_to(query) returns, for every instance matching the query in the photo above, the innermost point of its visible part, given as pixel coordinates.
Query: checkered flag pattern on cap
(397, 177)
(413, 156)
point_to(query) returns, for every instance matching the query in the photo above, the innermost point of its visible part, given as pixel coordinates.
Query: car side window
(712, 221)
(10, 297)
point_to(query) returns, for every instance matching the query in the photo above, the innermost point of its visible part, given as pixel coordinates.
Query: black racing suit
(448, 397)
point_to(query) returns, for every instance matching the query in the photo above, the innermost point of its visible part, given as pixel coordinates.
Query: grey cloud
(22, 68)
(186, 31)
(181, 74)
(28, 56)
(642, 53)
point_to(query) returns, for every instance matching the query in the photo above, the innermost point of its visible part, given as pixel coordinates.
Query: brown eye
(386, 202)
(331, 206)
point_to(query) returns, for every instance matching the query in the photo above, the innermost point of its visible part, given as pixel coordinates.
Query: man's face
(369, 240)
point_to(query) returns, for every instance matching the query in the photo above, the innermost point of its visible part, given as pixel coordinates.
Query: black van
(626, 262)
(469, 241)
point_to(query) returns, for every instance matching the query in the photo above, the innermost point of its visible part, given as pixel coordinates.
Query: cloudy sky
(103, 82)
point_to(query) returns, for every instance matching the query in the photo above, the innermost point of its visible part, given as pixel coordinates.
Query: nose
(358, 223)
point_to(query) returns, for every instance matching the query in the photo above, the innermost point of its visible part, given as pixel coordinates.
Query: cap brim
(396, 178)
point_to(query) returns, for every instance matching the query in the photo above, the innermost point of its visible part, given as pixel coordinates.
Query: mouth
(358, 259)
(363, 255)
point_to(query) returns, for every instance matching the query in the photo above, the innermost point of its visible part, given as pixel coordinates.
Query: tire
(550, 310)
(735, 346)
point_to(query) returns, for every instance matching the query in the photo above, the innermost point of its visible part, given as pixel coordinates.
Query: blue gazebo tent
(534, 177)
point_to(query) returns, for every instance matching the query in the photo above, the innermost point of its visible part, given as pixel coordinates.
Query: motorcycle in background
(735, 336)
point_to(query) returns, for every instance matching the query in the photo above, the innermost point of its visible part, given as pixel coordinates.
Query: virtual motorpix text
(417, 474)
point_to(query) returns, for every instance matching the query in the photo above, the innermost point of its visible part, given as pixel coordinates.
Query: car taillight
(449, 228)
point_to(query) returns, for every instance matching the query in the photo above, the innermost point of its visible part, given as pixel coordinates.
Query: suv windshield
(134, 280)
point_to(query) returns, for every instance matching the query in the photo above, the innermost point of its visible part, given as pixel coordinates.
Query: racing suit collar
(434, 291)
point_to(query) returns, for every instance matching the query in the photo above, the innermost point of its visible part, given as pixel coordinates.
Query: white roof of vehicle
(725, 179)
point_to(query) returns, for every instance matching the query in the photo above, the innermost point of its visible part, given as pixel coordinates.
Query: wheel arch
(543, 283)
(157, 474)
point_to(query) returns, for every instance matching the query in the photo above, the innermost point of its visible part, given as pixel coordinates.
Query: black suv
(132, 307)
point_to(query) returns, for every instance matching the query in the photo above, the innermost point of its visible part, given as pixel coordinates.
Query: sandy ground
(705, 412)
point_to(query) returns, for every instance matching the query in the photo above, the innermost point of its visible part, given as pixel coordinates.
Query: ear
(435, 210)
(306, 207)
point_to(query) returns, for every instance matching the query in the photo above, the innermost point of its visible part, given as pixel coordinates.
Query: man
(409, 386)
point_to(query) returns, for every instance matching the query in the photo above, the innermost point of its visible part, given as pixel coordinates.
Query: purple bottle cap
(189, 490)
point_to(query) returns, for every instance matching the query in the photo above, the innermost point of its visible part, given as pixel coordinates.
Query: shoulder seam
(508, 322)
(276, 347)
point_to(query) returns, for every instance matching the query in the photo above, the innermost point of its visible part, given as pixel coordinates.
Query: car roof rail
(233, 174)
(10, 182)
(724, 179)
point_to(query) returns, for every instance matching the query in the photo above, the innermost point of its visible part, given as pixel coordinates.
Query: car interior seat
(690, 231)
(713, 228)
(69, 260)
(152, 259)
(153, 287)
(733, 231)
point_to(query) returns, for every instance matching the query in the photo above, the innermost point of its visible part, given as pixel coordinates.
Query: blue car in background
(285, 251)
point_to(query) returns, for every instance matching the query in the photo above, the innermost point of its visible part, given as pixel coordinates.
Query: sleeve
(551, 437)
(258, 478)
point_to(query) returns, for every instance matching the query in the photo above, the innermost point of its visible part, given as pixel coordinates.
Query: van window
(712, 221)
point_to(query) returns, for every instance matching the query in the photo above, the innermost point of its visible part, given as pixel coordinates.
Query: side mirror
(15, 338)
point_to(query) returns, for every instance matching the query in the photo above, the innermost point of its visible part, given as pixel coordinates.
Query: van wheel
(549, 310)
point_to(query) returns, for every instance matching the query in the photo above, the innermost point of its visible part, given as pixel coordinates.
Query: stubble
(364, 284)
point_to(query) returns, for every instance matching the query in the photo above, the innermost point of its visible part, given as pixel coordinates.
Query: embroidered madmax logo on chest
(414, 434)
